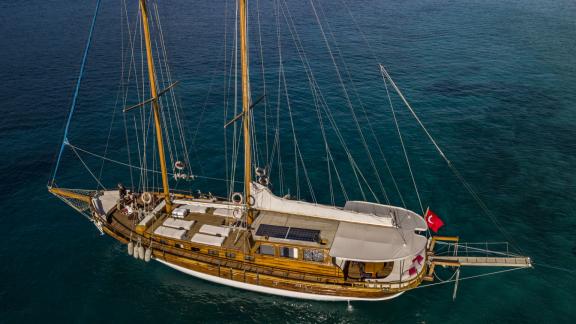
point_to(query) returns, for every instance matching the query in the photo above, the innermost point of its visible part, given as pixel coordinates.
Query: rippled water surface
(494, 81)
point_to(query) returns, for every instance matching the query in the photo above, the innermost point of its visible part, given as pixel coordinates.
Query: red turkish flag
(434, 222)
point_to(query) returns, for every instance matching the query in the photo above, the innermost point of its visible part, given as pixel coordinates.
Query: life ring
(146, 197)
(251, 200)
(260, 172)
(263, 181)
(237, 213)
(179, 165)
(237, 198)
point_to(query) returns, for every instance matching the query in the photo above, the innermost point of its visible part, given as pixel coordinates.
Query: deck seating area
(179, 223)
(150, 217)
(215, 230)
(194, 209)
(173, 233)
(193, 223)
(208, 239)
(224, 212)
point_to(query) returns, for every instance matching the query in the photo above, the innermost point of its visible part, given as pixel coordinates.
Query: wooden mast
(155, 106)
(246, 109)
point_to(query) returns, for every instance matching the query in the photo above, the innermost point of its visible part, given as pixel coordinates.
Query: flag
(434, 222)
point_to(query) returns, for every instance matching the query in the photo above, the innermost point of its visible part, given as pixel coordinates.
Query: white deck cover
(179, 223)
(208, 239)
(266, 200)
(173, 233)
(215, 230)
(375, 243)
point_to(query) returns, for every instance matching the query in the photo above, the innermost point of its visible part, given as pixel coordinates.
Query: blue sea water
(494, 81)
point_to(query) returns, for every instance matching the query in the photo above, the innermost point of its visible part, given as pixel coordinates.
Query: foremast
(246, 109)
(155, 105)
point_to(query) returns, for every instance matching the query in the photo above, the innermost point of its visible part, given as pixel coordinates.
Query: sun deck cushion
(215, 230)
(208, 239)
(179, 223)
(195, 209)
(180, 212)
(170, 232)
(151, 216)
(224, 212)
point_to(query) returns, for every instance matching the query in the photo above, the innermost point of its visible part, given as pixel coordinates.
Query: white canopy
(404, 218)
(368, 243)
(266, 200)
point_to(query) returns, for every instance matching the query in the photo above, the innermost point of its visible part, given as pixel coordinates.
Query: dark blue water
(494, 81)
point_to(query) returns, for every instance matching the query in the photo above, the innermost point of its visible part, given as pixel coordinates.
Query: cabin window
(289, 252)
(249, 258)
(313, 255)
(195, 249)
(178, 245)
(213, 252)
(266, 249)
(231, 255)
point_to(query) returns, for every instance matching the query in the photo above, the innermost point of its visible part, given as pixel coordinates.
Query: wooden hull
(248, 276)
(244, 269)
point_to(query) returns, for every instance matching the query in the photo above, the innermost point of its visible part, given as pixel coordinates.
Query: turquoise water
(494, 81)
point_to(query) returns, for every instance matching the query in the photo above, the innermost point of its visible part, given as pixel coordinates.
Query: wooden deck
(521, 262)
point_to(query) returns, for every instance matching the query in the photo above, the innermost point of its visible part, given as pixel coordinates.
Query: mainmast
(155, 106)
(245, 108)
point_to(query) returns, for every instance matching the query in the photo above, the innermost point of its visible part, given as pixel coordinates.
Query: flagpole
(427, 227)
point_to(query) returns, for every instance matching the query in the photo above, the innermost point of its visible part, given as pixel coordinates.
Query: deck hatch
(290, 233)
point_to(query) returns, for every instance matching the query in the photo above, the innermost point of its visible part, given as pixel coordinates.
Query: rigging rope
(350, 106)
(317, 93)
(457, 173)
(403, 146)
(76, 90)
(467, 186)
(86, 166)
(348, 74)
(471, 277)
(136, 167)
(263, 83)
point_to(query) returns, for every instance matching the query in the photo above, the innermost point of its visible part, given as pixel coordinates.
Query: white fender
(130, 248)
(141, 252)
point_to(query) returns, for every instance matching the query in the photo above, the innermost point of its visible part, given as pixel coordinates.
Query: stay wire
(76, 91)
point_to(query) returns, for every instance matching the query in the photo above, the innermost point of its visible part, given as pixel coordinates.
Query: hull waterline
(269, 290)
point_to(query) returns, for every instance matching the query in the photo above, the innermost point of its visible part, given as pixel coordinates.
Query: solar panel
(303, 234)
(290, 233)
(272, 231)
